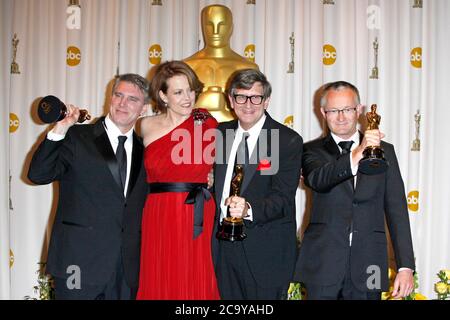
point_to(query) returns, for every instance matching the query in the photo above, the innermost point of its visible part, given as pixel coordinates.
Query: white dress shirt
(251, 143)
(113, 133)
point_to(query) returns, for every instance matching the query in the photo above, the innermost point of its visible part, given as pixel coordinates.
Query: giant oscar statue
(215, 63)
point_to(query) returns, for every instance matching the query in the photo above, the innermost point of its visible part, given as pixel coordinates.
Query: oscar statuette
(373, 161)
(292, 63)
(418, 4)
(232, 229)
(416, 142)
(375, 71)
(14, 64)
(51, 109)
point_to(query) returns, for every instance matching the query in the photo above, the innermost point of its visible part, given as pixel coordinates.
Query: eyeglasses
(242, 99)
(345, 111)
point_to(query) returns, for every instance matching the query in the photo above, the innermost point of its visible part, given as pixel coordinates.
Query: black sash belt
(198, 193)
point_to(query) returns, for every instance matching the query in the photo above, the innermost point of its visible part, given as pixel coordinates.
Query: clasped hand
(238, 206)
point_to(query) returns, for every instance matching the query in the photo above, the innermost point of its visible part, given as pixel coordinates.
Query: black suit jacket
(94, 222)
(325, 247)
(270, 246)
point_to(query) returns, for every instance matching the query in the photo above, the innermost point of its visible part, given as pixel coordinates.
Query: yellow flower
(291, 288)
(420, 296)
(447, 274)
(440, 287)
(448, 288)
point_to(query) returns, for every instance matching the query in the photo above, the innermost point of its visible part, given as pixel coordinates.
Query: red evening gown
(174, 266)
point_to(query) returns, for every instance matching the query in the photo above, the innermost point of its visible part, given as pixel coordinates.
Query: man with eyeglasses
(261, 265)
(343, 254)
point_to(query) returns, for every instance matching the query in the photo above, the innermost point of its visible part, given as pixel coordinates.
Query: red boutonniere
(200, 116)
(264, 164)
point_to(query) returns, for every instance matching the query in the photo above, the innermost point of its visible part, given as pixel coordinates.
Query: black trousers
(235, 279)
(115, 289)
(344, 290)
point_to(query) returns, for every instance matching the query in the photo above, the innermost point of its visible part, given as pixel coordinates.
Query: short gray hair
(137, 80)
(338, 86)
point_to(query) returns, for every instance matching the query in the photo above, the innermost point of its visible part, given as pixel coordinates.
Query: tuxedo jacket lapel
(103, 146)
(332, 148)
(359, 176)
(224, 145)
(251, 169)
(136, 162)
(249, 172)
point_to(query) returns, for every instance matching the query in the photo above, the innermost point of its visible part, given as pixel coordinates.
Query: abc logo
(155, 54)
(329, 54)
(249, 52)
(416, 57)
(73, 56)
(11, 258)
(413, 201)
(13, 122)
(289, 122)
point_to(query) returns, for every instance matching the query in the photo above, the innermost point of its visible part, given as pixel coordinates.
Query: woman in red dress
(176, 260)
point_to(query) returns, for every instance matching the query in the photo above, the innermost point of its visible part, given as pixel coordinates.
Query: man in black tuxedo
(95, 243)
(260, 266)
(343, 254)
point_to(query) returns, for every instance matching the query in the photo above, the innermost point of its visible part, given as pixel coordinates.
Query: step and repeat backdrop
(395, 52)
